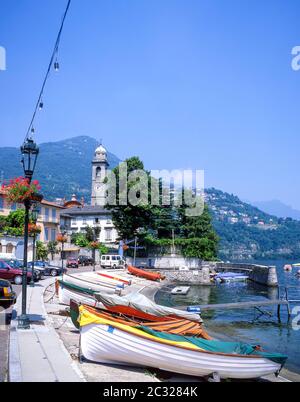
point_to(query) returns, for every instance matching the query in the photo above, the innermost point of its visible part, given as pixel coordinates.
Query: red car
(72, 263)
(12, 274)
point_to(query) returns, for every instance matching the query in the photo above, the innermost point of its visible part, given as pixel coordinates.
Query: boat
(152, 276)
(128, 304)
(68, 291)
(296, 265)
(178, 326)
(231, 277)
(105, 341)
(180, 290)
(114, 277)
(93, 284)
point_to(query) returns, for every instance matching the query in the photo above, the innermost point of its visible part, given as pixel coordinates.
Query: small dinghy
(231, 277)
(177, 326)
(180, 290)
(127, 304)
(107, 341)
(151, 276)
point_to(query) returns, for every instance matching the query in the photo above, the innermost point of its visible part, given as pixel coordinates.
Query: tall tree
(137, 215)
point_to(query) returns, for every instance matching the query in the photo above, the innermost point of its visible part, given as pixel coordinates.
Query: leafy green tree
(80, 240)
(52, 248)
(130, 220)
(41, 251)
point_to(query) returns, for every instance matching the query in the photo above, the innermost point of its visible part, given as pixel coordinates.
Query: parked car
(72, 263)
(18, 264)
(112, 261)
(7, 295)
(12, 274)
(85, 260)
(46, 269)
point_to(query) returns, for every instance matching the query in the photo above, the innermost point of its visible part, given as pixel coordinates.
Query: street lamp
(30, 153)
(34, 216)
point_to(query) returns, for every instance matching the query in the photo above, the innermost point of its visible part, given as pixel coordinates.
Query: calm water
(247, 325)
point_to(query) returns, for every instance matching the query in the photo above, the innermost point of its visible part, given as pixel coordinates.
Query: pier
(280, 301)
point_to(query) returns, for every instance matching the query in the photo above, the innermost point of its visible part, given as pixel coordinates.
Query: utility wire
(54, 53)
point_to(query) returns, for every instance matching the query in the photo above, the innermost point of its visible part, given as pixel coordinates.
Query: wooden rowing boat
(177, 326)
(152, 276)
(107, 341)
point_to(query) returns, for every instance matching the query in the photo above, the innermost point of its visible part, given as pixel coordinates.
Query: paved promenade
(38, 354)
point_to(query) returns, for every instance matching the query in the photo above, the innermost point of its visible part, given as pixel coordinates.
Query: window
(73, 221)
(53, 214)
(84, 221)
(108, 233)
(47, 214)
(1, 203)
(46, 234)
(53, 234)
(13, 207)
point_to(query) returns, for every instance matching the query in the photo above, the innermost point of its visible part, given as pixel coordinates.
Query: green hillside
(247, 232)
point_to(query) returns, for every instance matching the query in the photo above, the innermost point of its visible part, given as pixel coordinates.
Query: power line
(39, 103)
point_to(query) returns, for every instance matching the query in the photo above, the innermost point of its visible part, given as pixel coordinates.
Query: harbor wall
(194, 270)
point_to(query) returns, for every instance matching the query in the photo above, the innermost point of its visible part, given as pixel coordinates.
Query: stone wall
(194, 270)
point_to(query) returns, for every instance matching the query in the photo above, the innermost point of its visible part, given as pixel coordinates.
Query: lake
(248, 325)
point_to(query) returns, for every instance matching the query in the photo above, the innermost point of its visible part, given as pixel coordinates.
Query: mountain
(246, 232)
(63, 167)
(277, 208)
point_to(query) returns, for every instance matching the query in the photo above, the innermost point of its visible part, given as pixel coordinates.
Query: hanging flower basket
(94, 245)
(20, 189)
(61, 238)
(34, 229)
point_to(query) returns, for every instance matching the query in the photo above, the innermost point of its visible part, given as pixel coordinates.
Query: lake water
(247, 325)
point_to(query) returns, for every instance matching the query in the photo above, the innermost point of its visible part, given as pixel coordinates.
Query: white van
(112, 261)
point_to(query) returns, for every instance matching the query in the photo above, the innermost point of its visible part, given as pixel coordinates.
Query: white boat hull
(88, 284)
(65, 295)
(105, 344)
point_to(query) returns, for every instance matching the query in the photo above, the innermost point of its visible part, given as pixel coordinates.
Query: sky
(184, 84)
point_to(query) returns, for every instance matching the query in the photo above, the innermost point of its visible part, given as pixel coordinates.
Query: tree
(52, 248)
(15, 223)
(130, 220)
(41, 251)
(80, 240)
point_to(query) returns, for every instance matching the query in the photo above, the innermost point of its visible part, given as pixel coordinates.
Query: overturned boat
(106, 341)
(136, 301)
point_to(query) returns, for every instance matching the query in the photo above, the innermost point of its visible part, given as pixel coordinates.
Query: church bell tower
(99, 171)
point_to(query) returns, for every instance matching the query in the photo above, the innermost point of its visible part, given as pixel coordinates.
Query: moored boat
(105, 341)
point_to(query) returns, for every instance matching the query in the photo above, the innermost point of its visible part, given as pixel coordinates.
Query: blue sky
(181, 83)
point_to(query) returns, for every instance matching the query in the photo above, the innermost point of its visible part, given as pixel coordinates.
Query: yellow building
(48, 219)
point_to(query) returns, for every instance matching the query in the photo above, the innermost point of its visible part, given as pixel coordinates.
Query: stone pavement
(38, 354)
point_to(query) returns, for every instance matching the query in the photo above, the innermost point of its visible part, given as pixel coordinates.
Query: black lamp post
(30, 153)
(34, 215)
